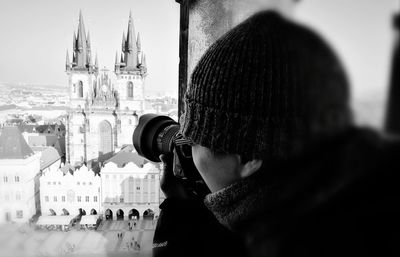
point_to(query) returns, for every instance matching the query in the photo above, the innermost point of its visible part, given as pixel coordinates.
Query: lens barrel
(154, 136)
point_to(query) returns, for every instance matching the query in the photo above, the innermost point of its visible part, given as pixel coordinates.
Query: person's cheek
(199, 160)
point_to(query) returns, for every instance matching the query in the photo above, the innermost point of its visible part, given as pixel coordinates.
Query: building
(130, 186)
(102, 113)
(19, 177)
(70, 191)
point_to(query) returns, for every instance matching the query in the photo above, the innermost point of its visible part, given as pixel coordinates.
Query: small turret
(123, 41)
(67, 62)
(138, 43)
(122, 59)
(144, 60)
(96, 63)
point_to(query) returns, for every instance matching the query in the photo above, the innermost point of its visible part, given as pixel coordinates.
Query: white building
(130, 186)
(19, 173)
(103, 111)
(70, 191)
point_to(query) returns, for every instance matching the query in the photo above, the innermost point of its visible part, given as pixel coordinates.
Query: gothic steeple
(67, 62)
(138, 43)
(129, 61)
(81, 48)
(96, 64)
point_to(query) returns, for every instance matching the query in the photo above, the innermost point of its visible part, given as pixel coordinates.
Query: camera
(158, 134)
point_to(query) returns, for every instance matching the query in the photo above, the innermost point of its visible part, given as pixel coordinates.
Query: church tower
(102, 114)
(82, 75)
(130, 71)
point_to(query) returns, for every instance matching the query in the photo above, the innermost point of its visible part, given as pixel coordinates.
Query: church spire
(88, 40)
(144, 60)
(138, 43)
(96, 64)
(129, 47)
(81, 51)
(131, 55)
(131, 39)
(74, 42)
(67, 62)
(123, 41)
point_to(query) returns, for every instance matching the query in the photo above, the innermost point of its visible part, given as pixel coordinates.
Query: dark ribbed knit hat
(265, 89)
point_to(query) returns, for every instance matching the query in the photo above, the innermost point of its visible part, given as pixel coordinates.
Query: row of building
(36, 181)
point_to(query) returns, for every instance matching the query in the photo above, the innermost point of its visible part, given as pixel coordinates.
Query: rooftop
(126, 156)
(13, 144)
(49, 156)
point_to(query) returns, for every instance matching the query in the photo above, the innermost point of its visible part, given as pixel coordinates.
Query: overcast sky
(35, 34)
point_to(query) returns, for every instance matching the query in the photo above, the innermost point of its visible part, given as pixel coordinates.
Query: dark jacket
(339, 199)
(188, 228)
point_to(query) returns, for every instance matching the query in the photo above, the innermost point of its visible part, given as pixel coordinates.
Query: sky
(35, 34)
(362, 34)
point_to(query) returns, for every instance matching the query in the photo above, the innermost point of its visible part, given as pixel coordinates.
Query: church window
(63, 198)
(54, 183)
(16, 178)
(130, 122)
(55, 198)
(80, 89)
(20, 214)
(49, 183)
(94, 198)
(105, 138)
(90, 183)
(74, 88)
(18, 196)
(46, 198)
(78, 183)
(130, 89)
(87, 198)
(79, 198)
(84, 183)
(5, 179)
(137, 188)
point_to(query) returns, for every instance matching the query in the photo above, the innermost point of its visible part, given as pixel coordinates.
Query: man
(273, 138)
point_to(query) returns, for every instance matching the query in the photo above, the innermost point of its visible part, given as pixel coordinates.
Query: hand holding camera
(157, 138)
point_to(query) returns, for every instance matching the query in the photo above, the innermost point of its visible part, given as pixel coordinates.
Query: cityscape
(71, 180)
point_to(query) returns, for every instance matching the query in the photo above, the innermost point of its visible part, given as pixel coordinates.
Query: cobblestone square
(24, 241)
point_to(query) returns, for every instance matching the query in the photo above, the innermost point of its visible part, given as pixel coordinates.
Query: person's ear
(250, 167)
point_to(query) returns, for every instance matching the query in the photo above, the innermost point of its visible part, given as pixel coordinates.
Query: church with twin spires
(103, 111)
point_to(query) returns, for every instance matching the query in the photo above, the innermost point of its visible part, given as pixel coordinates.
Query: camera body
(158, 134)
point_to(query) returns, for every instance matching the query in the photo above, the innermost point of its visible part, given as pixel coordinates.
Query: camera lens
(154, 136)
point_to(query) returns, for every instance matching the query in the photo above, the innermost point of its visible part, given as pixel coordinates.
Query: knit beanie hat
(265, 90)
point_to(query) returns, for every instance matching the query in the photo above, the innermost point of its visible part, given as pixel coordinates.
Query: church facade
(104, 108)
